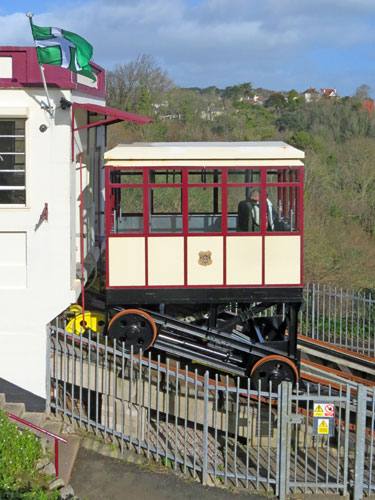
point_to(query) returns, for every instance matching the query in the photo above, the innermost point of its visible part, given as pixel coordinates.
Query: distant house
(255, 99)
(311, 95)
(368, 105)
(329, 93)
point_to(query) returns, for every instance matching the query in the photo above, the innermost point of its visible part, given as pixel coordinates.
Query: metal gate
(336, 460)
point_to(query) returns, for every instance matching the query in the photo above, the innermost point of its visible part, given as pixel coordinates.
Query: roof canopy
(204, 153)
(113, 115)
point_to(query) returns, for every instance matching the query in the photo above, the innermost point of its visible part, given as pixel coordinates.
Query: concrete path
(96, 477)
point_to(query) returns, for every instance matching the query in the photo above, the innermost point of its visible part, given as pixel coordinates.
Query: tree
(129, 83)
(276, 101)
(363, 91)
(236, 92)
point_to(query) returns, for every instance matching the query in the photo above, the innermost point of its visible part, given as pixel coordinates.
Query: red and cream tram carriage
(204, 253)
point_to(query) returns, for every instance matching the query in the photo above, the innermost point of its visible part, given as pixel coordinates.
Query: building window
(12, 162)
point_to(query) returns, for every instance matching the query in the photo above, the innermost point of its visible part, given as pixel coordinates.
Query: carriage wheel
(273, 369)
(133, 328)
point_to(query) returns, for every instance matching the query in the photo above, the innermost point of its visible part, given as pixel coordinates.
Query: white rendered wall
(28, 305)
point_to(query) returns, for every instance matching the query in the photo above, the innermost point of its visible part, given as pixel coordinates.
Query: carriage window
(236, 175)
(204, 210)
(204, 176)
(283, 175)
(166, 210)
(283, 200)
(244, 209)
(126, 177)
(127, 210)
(168, 176)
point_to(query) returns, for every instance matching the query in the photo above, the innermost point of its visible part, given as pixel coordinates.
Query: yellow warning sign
(323, 426)
(318, 411)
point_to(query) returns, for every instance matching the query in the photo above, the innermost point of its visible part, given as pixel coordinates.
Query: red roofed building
(329, 93)
(368, 105)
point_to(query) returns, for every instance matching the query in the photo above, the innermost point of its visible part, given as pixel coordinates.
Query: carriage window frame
(288, 188)
(232, 229)
(223, 187)
(18, 124)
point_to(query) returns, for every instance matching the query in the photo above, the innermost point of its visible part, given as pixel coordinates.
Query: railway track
(331, 365)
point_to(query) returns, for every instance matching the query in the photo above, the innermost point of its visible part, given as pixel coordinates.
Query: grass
(19, 453)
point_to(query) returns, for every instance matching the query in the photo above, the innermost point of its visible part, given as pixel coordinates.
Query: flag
(63, 48)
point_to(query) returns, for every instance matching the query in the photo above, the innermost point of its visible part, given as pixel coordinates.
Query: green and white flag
(63, 48)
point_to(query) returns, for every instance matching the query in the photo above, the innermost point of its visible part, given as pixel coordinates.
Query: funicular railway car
(204, 253)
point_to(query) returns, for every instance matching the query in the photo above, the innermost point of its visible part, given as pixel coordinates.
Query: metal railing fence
(214, 427)
(211, 426)
(339, 316)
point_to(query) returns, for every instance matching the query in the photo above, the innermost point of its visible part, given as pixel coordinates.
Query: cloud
(279, 44)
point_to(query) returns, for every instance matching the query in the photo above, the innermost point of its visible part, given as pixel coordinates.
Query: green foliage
(144, 104)
(341, 120)
(19, 452)
(276, 101)
(166, 462)
(236, 92)
(301, 140)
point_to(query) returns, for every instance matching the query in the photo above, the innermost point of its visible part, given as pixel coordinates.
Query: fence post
(360, 442)
(205, 428)
(48, 371)
(283, 473)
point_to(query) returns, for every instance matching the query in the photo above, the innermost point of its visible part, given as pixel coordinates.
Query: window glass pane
(13, 197)
(127, 177)
(166, 210)
(248, 209)
(165, 177)
(127, 210)
(205, 209)
(237, 175)
(283, 203)
(283, 175)
(167, 223)
(165, 200)
(12, 162)
(235, 196)
(204, 176)
(12, 144)
(12, 179)
(7, 127)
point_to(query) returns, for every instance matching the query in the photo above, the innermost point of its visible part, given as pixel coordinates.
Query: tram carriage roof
(204, 154)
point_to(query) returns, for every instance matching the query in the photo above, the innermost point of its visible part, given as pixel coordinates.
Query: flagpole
(49, 109)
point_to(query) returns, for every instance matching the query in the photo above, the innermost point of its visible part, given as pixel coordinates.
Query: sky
(274, 44)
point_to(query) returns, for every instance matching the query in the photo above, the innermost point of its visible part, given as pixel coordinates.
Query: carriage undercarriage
(256, 340)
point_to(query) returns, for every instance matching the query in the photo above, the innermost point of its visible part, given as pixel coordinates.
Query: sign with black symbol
(324, 410)
(323, 426)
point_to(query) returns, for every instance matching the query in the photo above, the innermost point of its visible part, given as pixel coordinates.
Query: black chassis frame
(147, 299)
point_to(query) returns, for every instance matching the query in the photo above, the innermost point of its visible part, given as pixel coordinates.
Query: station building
(49, 163)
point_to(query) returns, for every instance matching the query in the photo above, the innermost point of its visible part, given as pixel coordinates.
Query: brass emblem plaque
(205, 258)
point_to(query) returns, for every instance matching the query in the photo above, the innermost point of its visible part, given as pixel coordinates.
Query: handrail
(39, 429)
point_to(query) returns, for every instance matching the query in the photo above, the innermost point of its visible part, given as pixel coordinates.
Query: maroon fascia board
(26, 73)
(114, 115)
